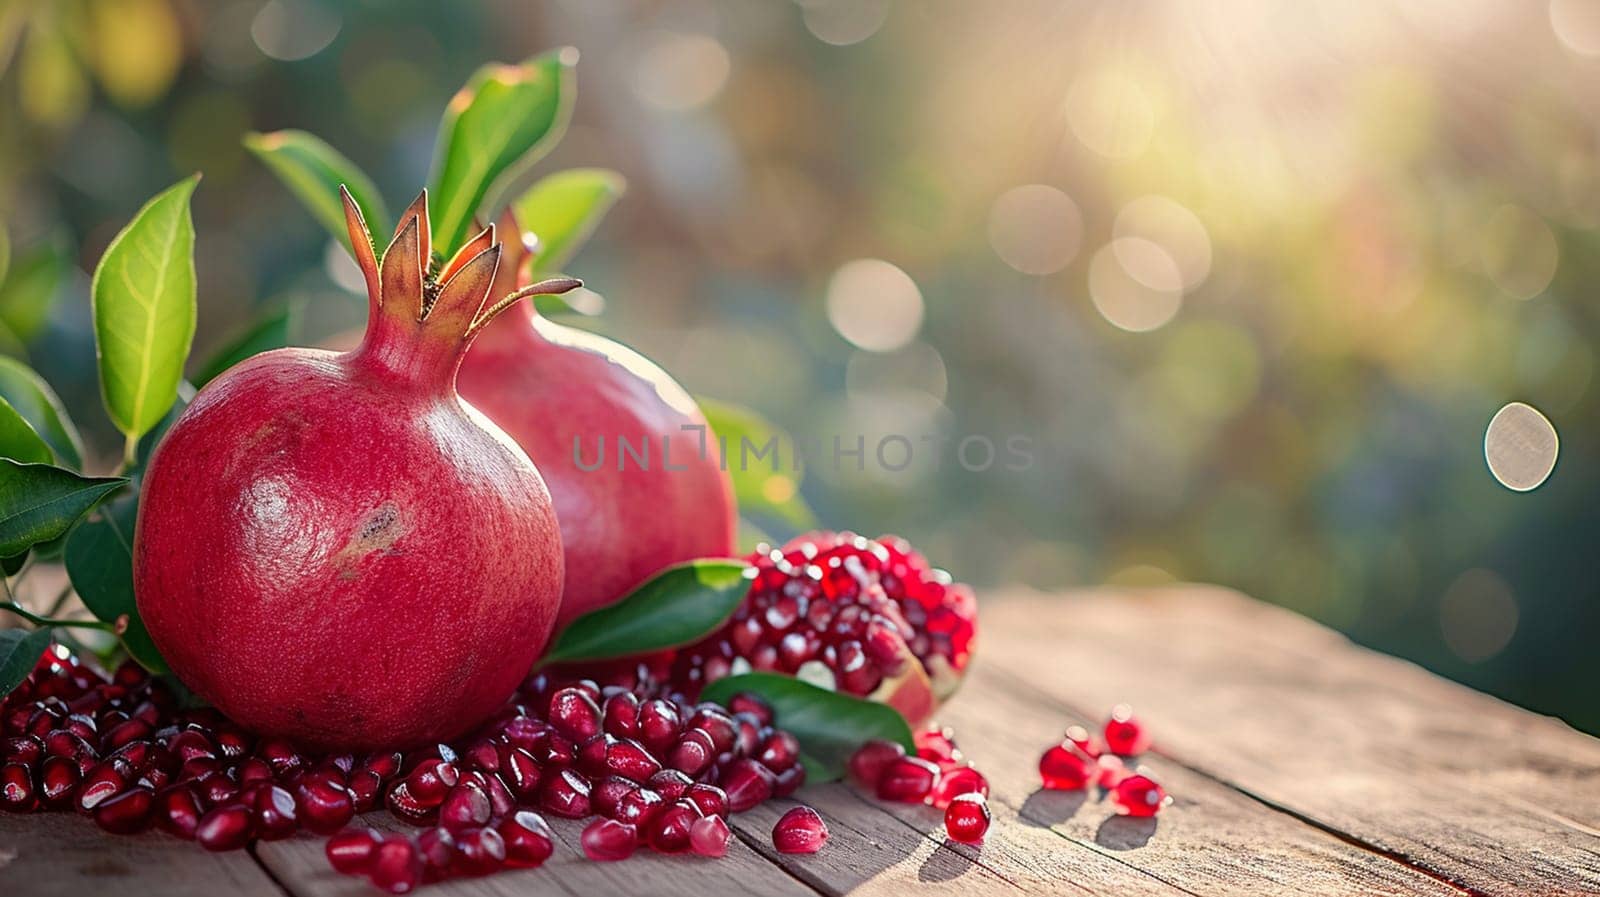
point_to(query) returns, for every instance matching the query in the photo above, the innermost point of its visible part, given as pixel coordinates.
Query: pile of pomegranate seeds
(1081, 759)
(658, 770)
(937, 775)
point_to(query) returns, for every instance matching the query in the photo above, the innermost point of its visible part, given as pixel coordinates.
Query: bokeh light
(874, 305)
(1577, 24)
(1175, 229)
(1520, 446)
(1478, 615)
(1035, 228)
(844, 22)
(1135, 284)
(291, 30)
(1111, 114)
(681, 71)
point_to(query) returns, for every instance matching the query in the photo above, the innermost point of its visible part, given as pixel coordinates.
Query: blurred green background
(1250, 279)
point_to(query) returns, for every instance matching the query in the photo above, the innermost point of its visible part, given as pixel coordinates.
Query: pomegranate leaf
(765, 482)
(498, 124)
(39, 502)
(564, 209)
(271, 332)
(19, 651)
(18, 440)
(144, 312)
(99, 559)
(675, 607)
(830, 725)
(29, 289)
(313, 171)
(37, 403)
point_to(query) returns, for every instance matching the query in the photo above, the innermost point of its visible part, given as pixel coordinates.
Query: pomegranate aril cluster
(938, 774)
(650, 764)
(839, 610)
(1082, 759)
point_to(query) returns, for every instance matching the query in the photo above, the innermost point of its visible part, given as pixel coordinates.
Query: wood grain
(1483, 795)
(65, 855)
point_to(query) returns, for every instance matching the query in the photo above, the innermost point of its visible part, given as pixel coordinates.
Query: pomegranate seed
(58, 781)
(789, 781)
(1124, 734)
(177, 811)
(501, 803)
(967, 818)
(779, 752)
(406, 807)
(800, 830)
(709, 836)
(279, 754)
(437, 847)
(431, 780)
(936, 744)
(253, 770)
(1110, 770)
(466, 806)
(528, 839)
(746, 702)
(574, 714)
(396, 866)
(604, 796)
(386, 764)
(712, 721)
(629, 759)
(1140, 796)
(693, 752)
(16, 788)
(869, 762)
(565, 794)
(621, 715)
(747, 783)
(909, 780)
(639, 807)
(1065, 768)
(227, 827)
(670, 831)
(711, 800)
(22, 749)
(670, 783)
(125, 813)
(324, 807)
(1086, 742)
(606, 840)
(127, 731)
(551, 748)
(479, 851)
(275, 813)
(956, 782)
(659, 724)
(520, 772)
(351, 850)
(216, 788)
(364, 787)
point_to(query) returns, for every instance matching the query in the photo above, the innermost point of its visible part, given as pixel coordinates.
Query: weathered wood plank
(1476, 792)
(300, 865)
(1212, 840)
(65, 855)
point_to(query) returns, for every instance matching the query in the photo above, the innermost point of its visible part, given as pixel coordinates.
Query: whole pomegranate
(334, 547)
(570, 399)
(868, 617)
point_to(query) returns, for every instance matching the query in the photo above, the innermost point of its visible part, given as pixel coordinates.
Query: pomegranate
(571, 399)
(967, 818)
(364, 539)
(801, 830)
(868, 617)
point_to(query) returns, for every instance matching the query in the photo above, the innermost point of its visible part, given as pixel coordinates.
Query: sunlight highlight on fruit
(874, 305)
(1520, 446)
(1035, 228)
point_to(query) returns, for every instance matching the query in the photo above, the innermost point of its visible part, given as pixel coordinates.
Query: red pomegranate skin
(335, 548)
(548, 385)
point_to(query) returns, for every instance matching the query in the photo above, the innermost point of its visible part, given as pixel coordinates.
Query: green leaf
(29, 289)
(5, 253)
(18, 441)
(564, 208)
(144, 311)
(675, 607)
(270, 332)
(39, 502)
(99, 559)
(758, 488)
(499, 123)
(313, 172)
(830, 725)
(37, 403)
(19, 652)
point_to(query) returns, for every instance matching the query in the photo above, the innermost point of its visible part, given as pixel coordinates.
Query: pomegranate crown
(453, 304)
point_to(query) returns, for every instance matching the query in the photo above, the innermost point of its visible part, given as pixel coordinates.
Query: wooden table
(1299, 763)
